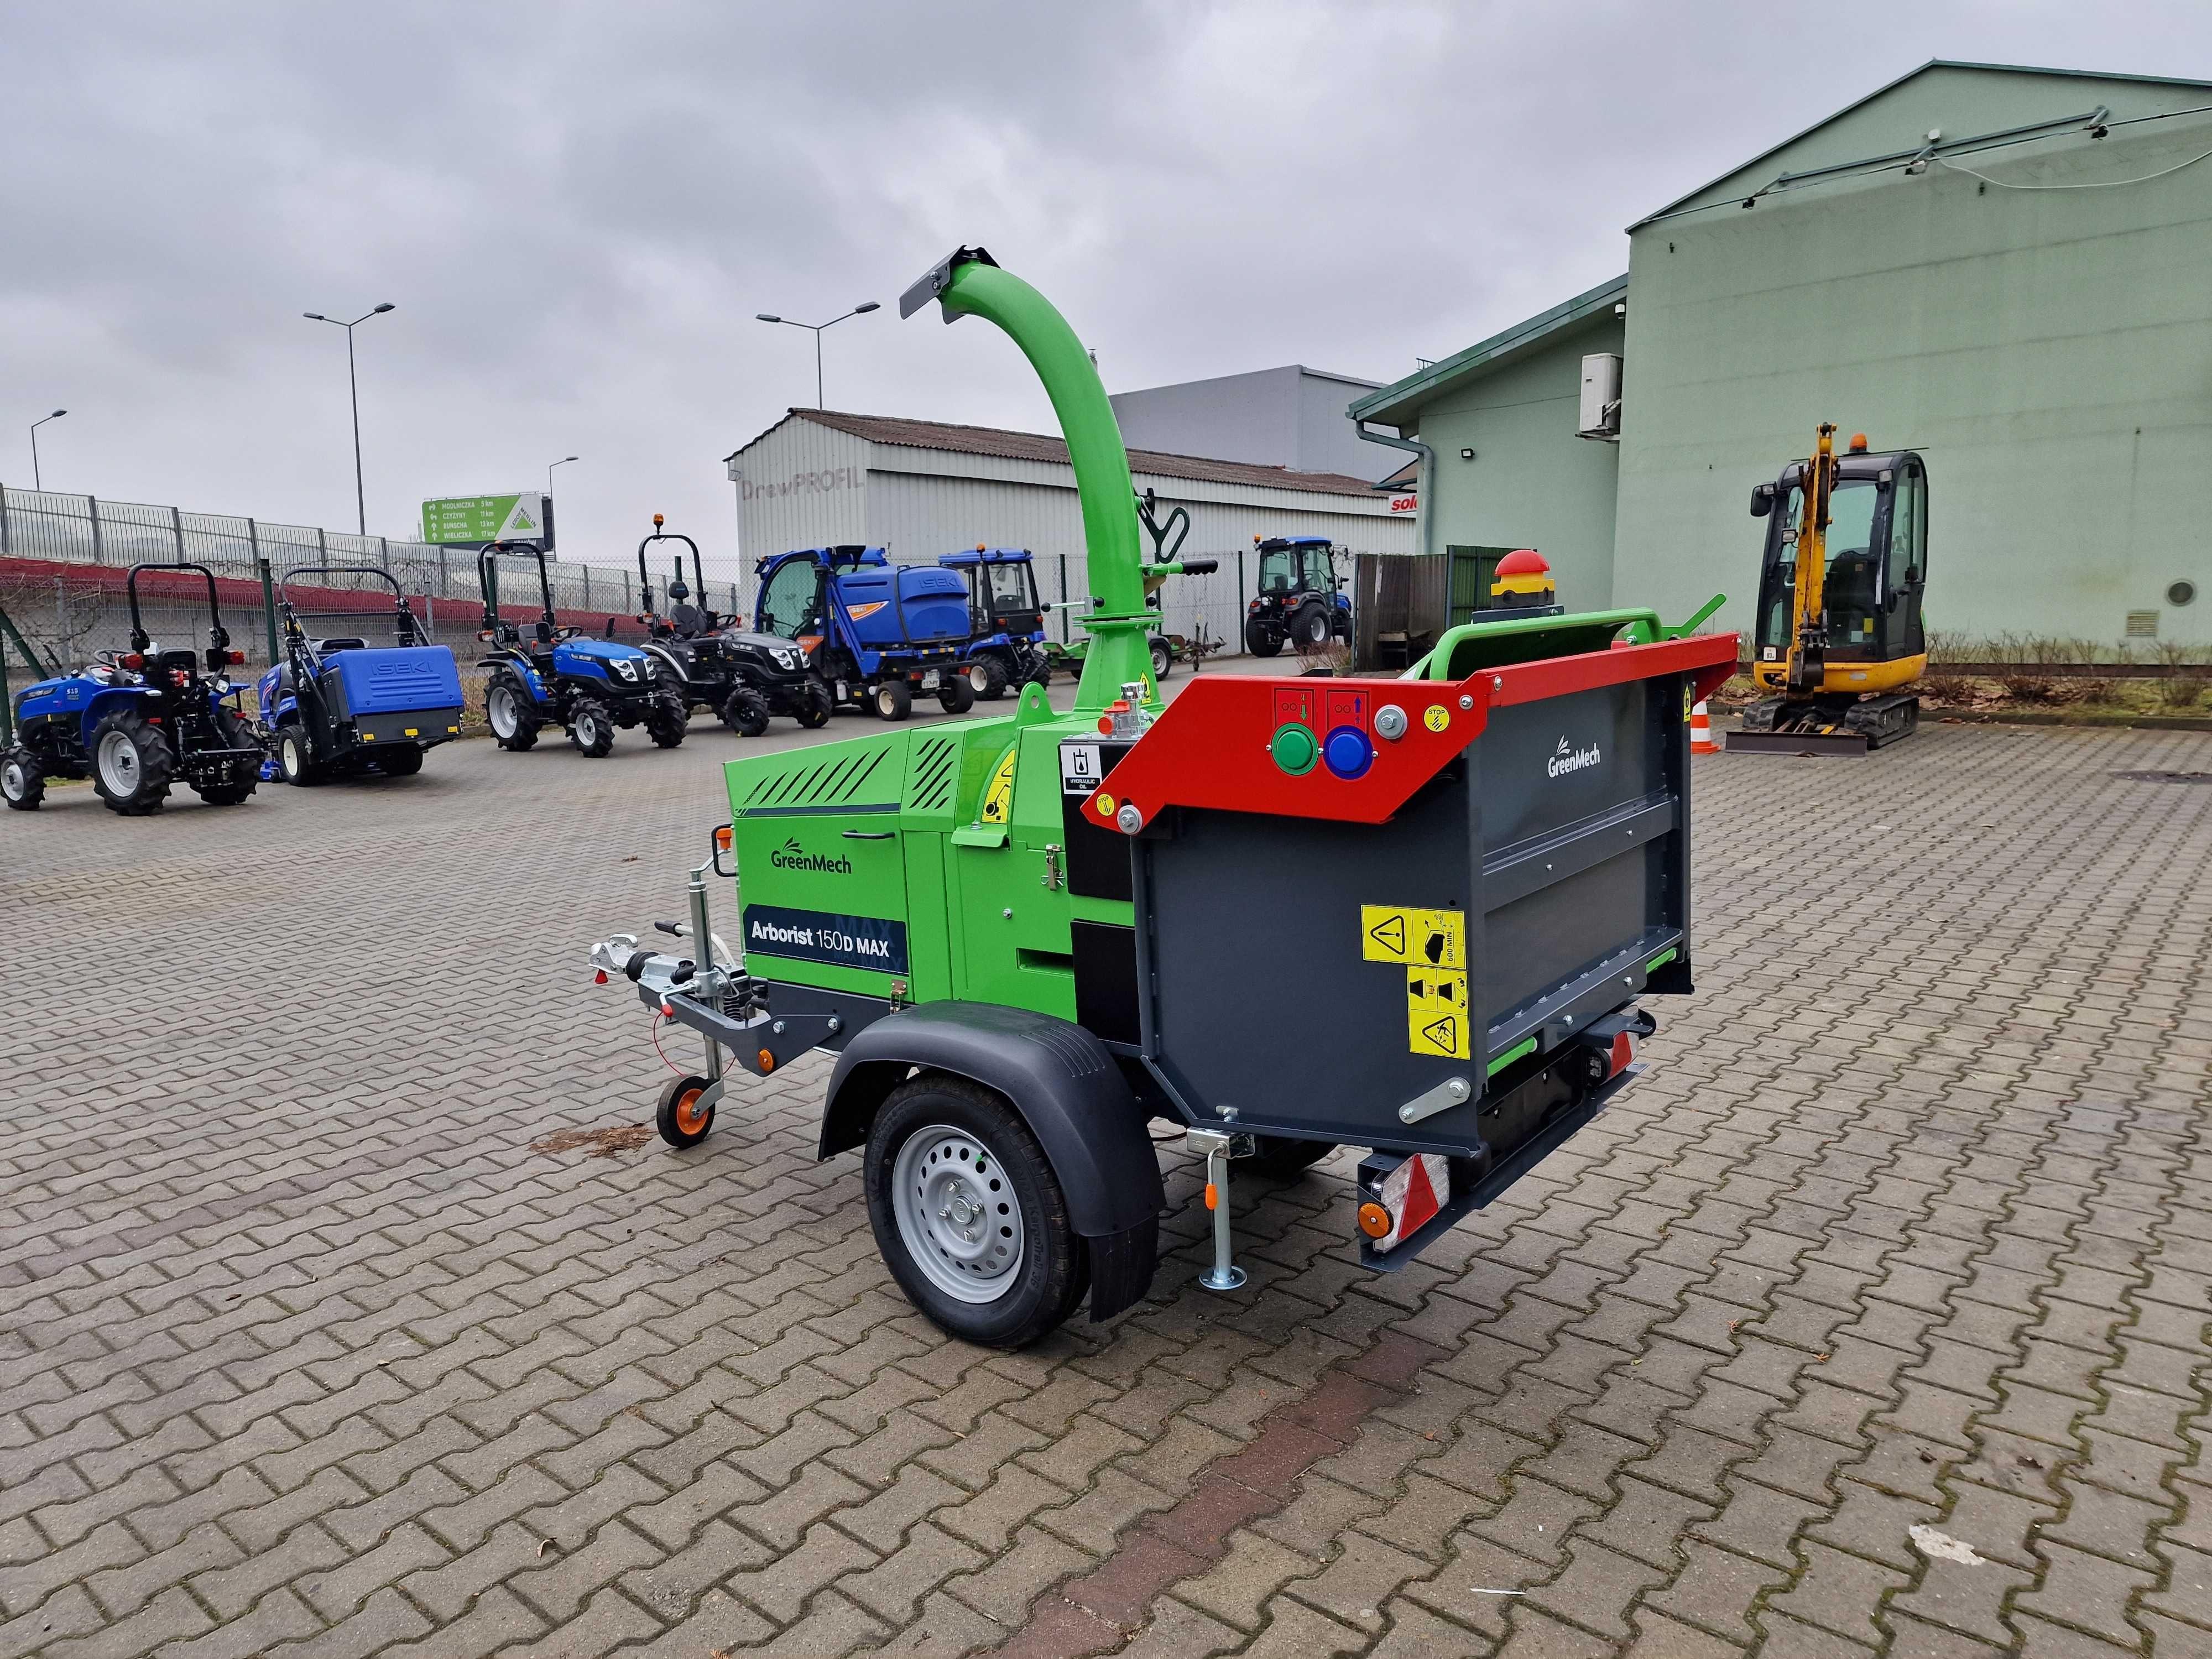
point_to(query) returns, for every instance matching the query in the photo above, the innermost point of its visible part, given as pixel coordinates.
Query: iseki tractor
(1300, 601)
(1029, 937)
(338, 705)
(562, 677)
(878, 634)
(138, 721)
(1006, 619)
(747, 679)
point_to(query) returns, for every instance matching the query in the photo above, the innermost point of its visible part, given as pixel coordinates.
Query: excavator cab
(1838, 650)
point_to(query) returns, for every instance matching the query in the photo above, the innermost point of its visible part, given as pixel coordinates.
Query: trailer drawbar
(1028, 937)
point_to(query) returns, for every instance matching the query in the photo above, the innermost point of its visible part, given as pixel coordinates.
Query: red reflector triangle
(1420, 1198)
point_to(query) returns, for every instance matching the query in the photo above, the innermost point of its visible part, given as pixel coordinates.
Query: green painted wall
(1533, 483)
(2050, 354)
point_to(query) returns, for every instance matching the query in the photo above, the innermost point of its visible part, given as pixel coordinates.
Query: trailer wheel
(22, 781)
(746, 711)
(591, 728)
(955, 695)
(513, 723)
(1163, 659)
(815, 706)
(682, 1120)
(293, 758)
(1285, 1159)
(131, 765)
(892, 699)
(402, 761)
(969, 1215)
(987, 675)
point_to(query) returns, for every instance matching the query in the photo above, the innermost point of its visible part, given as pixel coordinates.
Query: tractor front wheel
(591, 728)
(666, 725)
(745, 713)
(131, 765)
(402, 761)
(969, 1216)
(510, 714)
(682, 1120)
(294, 758)
(987, 677)
(816, 705)
(22, 781)
(892, 699)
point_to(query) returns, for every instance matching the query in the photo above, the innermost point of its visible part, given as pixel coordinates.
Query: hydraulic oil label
(1436, 1013)
(1425, 938)
(818, 936)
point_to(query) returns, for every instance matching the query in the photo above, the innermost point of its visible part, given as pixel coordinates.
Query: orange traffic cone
(1701, 733)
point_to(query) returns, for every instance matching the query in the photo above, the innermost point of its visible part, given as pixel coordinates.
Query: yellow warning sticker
(1428, 938)
(1436, 1013)
(999, 796)
(1436, 717)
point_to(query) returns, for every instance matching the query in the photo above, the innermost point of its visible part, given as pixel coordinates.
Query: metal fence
(45, 535)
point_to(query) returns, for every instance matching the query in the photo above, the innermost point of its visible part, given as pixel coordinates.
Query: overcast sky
(579, 208)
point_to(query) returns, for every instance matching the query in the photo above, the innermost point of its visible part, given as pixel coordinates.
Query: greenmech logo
(792, 856)
(1567, 758)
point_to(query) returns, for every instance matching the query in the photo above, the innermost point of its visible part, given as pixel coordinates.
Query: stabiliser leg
(1219, 1148)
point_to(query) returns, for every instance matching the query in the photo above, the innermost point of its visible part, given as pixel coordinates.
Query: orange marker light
(1858, 443)
(1374, 1220)
(766, 1061)
(722, 838)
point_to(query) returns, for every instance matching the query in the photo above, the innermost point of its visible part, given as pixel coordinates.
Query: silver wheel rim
(11, 780)
(588, 729)
(1160, 661)
(978, 681)
(289, 757)
(957, 1215)
(119, 764)
(504, 718)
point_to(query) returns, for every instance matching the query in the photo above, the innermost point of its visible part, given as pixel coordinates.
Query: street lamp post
(563, 461)
(857, 311)
(353, 388)
(35, 425)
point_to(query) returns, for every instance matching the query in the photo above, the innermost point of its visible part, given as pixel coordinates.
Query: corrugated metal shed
(922, 489)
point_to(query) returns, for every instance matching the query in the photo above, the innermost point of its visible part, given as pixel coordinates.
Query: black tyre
(987, 677)
(892, 699)
(1285, 1159)
(224, 794)
(816, 706)
(22, 781)
(666, 726)
(955, 694)
(746, 713)
(969, 1216)
(131, 767)
(510, 714)
(682, 1120)
(402, 761)
(294, 759)
(1340, 625)
(591, 728)
(1041, 674)
(1263, 642)
(1163, 659)
(1312, 626)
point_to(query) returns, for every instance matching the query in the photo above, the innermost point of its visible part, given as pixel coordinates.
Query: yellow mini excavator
(1839, 640)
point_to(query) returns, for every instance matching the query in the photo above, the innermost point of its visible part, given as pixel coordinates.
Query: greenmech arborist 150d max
(1028, 937)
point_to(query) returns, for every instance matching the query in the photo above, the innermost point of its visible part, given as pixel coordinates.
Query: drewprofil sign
(473, 521)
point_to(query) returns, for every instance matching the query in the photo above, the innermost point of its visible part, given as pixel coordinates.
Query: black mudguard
(1068, 1089)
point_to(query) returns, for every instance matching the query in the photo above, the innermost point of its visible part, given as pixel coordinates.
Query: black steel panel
(1106, 979)
(1098, 855)
(1535, 773)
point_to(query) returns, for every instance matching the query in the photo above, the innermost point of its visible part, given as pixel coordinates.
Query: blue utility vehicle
(338, 705)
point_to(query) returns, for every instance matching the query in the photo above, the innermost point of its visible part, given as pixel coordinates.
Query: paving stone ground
(1904, 1238)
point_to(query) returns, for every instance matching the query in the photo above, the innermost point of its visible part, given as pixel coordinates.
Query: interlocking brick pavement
(304, 1352)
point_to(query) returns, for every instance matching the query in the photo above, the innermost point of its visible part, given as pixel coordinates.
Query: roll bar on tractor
(495, 629)
(645, 581)
(410, 630)
(219, 653)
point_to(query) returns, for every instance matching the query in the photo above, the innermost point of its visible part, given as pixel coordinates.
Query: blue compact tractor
(138, 721)
(1299, 599)
(338, 705)
(879, 635)
(1005, 620)
(559, 677)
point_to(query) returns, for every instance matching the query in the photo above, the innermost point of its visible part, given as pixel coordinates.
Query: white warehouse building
(921, 488)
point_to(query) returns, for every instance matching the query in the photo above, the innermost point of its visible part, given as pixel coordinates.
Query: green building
(2008, 270)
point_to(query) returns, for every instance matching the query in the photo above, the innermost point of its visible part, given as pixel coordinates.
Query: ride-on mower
(878, 634)
(1005, 620)
(1026, 937)
(562, 677)
(745, 678)
(338, 705)
(138, 721)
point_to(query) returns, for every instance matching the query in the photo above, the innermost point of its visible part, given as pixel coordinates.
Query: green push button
(1294, 750)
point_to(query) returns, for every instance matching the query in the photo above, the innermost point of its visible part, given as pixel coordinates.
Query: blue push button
(1347, 752)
